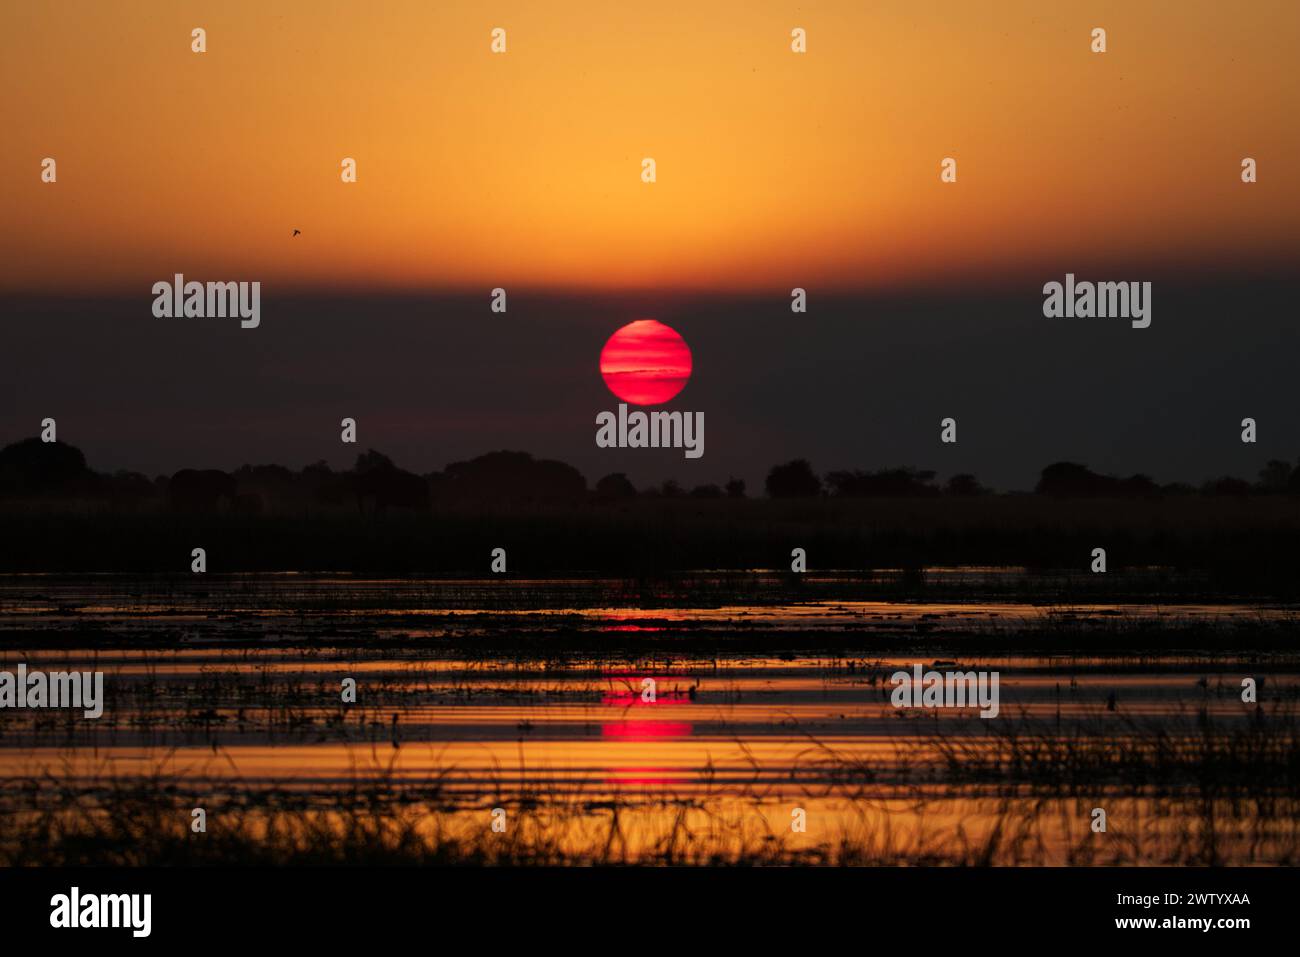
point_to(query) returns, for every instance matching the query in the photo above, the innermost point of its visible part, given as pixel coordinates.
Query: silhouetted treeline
(58, 514)
(55, 471)
(796, 479)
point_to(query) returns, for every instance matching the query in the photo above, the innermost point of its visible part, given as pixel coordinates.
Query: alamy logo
(58, 689)
(648, 363)
(103, 910)
(214, 300)
(1098, 300)
(949, 689)
(651, 430)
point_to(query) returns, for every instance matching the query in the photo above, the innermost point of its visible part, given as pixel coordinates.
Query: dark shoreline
(1213, 548)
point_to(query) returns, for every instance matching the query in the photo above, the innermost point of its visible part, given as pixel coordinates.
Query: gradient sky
(774, 169)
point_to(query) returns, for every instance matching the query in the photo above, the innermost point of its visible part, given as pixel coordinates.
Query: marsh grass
(1021, 796)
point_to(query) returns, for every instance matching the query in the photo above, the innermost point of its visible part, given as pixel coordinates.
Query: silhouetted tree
(1138, 484)
(794, 479)
(129, 489)
(1226, 485)
(201, 490)
(1070, 478)
(706, 491)
(884, 483)
(735, 488)
(264, 487)
(370, 459)
(33, 467)
(321, 485)
(1275, 476)
(615, 487)
(379, 485)
(670, 489)
(963, 483)
(513, 476)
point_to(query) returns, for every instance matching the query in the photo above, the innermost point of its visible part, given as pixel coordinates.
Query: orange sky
(774, 169)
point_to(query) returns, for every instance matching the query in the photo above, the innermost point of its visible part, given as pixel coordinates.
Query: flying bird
(296, 232)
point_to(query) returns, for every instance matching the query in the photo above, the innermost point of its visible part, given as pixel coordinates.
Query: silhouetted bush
(202, 490)
(1070, 478)
(964, 484)
(32, 467)
(615, 487)
(379, 485)
(1278, 476)
(794, 479)
(1227, 485)
(886, 483)
(512, 477)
